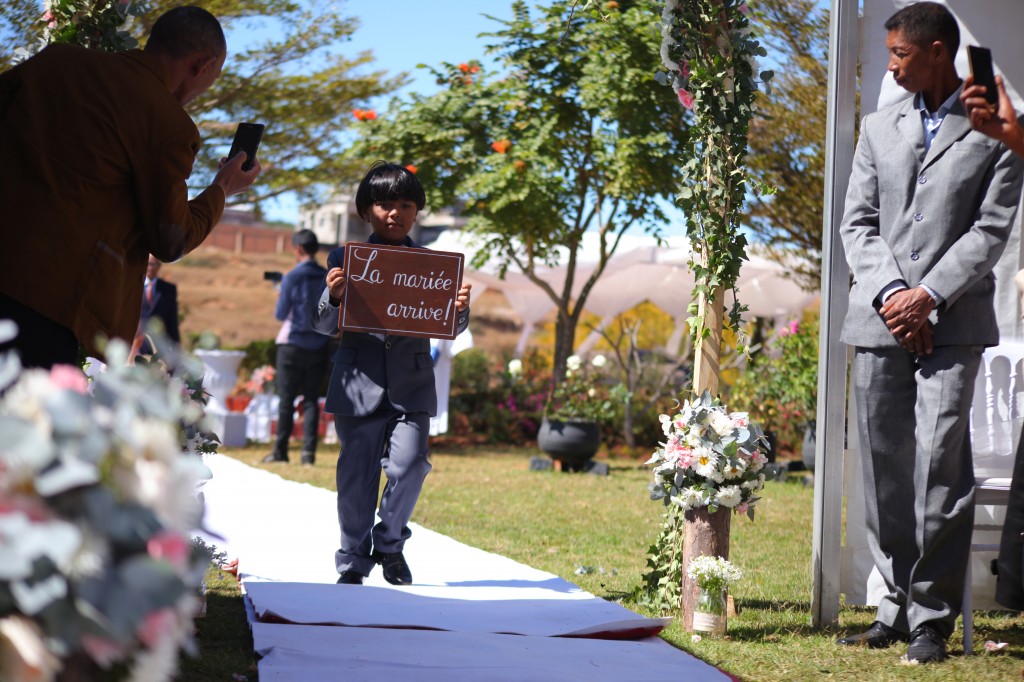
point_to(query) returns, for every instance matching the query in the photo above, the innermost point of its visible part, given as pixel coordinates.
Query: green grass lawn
(595, 532)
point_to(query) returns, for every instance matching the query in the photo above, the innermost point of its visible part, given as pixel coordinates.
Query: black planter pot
(570, 443)
(809, 445)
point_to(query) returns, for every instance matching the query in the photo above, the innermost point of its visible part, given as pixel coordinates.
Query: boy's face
(391, 220)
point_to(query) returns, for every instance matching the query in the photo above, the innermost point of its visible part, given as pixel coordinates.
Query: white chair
(996, 416)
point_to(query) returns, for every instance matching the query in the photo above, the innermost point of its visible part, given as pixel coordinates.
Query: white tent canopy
(861, 42)
(640, 270)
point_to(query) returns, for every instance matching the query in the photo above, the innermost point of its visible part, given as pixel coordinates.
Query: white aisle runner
(471, 615)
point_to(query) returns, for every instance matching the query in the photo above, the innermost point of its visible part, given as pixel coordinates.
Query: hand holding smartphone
(247, 139)
(980, 59)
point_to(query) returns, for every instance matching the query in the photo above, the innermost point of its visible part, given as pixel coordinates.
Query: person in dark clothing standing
(301, 351)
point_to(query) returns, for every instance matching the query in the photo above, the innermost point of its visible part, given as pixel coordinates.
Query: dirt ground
(225, 293)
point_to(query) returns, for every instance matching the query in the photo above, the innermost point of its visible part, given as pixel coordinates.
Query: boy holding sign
(382, 396)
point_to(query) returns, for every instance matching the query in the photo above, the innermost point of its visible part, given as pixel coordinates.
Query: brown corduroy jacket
(94, 157)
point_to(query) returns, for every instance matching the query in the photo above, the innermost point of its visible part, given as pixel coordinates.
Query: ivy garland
(710, 56)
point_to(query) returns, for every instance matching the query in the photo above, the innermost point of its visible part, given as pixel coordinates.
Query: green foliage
(710, 54)
(100, 24)
(573, 135)
(581, 395)
(661, 587)
(296, 81)
(258, 353)
(780, 384)
(787, 138)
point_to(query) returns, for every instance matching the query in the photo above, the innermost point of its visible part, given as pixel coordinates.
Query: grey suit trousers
(919, 478)
(397, 442)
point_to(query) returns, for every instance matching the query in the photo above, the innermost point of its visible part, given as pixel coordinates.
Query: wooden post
(704, 533)
(707, 357)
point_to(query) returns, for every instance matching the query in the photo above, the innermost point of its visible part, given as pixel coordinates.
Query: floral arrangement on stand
(711, 458)
(713, 576)
(98, 497)
(261, 381)
(580, 396)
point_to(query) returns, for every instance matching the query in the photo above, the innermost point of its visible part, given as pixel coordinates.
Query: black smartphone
(272, 276)
(980, 59)
(247, 139)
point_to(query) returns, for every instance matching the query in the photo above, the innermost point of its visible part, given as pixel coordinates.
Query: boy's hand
(461, 299)
(336, 285)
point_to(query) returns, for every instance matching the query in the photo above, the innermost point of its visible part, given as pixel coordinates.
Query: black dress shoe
(926, 646)
(878, 636)
(272, 457)
(350, 578)
(396, 571)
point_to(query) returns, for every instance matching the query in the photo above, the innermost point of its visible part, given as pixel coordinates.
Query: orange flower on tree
(364, 114)
(464, 67)
(519, 165)
(412, 169)
(501, 146)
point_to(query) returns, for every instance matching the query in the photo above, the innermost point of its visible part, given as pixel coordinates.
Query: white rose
(599, 361)
(573, 363)
(515, 367)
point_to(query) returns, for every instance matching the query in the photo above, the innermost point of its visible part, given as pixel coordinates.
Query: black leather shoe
(926, 646)
(308, 459)
(350, 578)
(396, 571)
(878, 636)
(272, 457)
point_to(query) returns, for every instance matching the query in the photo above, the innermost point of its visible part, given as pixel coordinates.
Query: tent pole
(832, 353)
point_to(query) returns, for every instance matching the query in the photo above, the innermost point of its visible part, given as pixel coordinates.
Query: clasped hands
(336, 286)
(906, 315)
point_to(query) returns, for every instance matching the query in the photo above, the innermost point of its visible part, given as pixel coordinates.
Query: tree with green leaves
(787, 138)
(574, 134)
(293, 78)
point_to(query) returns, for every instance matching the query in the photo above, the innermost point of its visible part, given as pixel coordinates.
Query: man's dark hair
(925, 22)
(388, 182)
(185, 31)
(307, 241)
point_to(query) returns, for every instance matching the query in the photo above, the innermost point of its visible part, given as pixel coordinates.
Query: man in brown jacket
(95, 151)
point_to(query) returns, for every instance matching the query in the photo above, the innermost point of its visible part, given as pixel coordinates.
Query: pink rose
(685, 98)
(742, 508)
(170, 547)
(69, 377)
(156, 626)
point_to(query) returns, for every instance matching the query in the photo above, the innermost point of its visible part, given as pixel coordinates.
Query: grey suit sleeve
(325, 315)
(974, 254)
(869, 256)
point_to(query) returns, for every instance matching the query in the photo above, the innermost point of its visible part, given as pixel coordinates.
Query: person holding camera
(301, 351)
(999, 122)
(95, 151)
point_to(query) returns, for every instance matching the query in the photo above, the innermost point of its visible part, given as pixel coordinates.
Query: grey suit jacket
(369, 366)
(940, 219)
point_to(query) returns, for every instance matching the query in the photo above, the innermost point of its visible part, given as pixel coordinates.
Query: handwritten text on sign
(399, 290)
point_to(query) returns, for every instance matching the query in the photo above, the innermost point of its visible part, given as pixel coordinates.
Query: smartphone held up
(980, 59)
(247, 139)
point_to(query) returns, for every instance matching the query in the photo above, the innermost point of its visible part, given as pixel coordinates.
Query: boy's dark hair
(185, 31)
(387, 182)
(925, 22)
(307, 241)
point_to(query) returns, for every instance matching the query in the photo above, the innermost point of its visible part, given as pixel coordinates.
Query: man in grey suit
(930, 205)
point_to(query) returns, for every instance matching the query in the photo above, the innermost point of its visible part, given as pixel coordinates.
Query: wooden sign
(399, 290)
